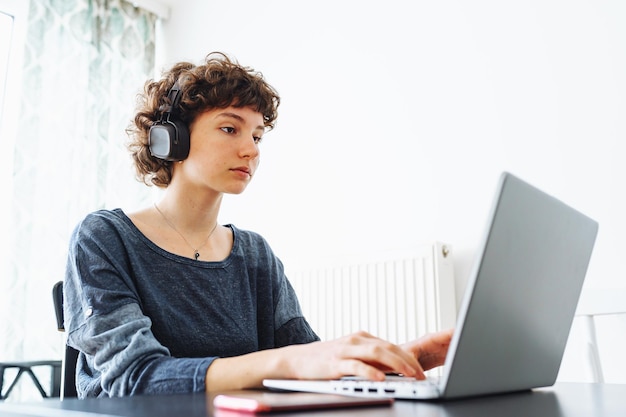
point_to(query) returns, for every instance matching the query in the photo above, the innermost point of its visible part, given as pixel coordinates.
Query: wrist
(285, 366)
(249, 371)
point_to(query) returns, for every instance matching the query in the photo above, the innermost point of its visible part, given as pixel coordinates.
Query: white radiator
(398, 297)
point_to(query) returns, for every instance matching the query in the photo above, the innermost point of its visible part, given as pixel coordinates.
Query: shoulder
(102, 224)
(101, 218)
(247, 236)
(254, 250)
(250, 242)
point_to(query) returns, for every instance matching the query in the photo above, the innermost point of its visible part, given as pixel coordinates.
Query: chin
(235, 191)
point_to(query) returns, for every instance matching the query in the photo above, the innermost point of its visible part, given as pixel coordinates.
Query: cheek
(203, 166)
(206, 156)
(254, 165)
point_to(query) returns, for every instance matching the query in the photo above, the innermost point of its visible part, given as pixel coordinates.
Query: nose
(249, 148)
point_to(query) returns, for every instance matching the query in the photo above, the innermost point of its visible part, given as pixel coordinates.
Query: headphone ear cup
(169, 140)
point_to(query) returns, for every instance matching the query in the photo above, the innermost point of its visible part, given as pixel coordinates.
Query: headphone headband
(173, 96)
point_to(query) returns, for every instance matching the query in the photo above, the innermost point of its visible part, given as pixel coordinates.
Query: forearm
(249, 371)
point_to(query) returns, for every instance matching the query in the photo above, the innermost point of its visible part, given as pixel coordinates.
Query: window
(6, 31)
(68, 92)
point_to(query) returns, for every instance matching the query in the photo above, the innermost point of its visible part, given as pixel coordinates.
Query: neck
(189, 212)
(195, 248)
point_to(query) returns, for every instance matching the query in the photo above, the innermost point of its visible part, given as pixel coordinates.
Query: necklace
(196, 253)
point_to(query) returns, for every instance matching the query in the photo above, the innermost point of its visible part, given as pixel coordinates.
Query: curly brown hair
(218, 83)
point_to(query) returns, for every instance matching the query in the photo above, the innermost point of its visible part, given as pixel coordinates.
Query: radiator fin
(397, 298)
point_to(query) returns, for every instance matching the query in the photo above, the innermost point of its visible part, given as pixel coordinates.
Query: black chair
(68, 373)
(26, 368)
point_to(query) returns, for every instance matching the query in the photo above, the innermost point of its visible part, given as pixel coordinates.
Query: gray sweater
(147, 321)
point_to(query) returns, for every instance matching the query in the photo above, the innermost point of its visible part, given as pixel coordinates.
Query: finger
(355, 367)
(388, 357)
(442, 337)
(380, 354)
(431, 349)
(430, 342)
(438, 338)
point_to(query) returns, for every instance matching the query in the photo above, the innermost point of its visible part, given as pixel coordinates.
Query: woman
(166, 300)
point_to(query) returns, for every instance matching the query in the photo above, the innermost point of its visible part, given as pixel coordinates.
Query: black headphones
(168, 138)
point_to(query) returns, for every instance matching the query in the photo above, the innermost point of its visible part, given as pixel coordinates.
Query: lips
(243, 170)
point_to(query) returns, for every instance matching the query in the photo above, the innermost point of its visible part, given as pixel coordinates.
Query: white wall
(398, 116)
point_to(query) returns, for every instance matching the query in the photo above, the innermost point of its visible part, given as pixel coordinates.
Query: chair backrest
(68, 375)
(593, 303)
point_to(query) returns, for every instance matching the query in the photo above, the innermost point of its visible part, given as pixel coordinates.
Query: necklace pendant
(196, 255)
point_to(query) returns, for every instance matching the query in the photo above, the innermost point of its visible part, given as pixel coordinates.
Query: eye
(257, 139)
(228, 129)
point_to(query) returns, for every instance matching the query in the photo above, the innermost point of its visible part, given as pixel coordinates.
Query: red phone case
(263, 401)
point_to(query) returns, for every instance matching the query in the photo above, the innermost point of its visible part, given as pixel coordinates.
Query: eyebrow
(238, 117)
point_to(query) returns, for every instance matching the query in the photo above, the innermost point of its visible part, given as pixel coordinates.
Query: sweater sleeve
(120, 349)
(119, 355)
(291, 326)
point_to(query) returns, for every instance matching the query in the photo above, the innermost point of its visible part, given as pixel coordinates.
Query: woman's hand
(431, 349)
(359, 354)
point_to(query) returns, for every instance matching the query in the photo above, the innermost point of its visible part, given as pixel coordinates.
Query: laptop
(518, 308)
